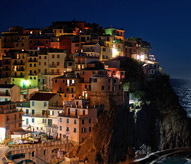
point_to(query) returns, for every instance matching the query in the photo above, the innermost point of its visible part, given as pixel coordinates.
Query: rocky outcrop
(161, 124)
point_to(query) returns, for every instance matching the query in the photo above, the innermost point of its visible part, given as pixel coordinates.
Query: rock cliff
(161, 123)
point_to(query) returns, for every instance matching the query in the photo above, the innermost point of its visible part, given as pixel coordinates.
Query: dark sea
(182, 88)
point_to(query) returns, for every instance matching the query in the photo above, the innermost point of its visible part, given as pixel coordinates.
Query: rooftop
(43, 96)
(6, 85)
(7, 103)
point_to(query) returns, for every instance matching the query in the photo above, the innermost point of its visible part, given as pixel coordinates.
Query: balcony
(52, 66)
(8, 111)
(32, 61)
(56, 107)
(6, 63)
(8, 121)
(4, 94)
(16, 76)
(51, 73)
(20, 70)
(17, 63)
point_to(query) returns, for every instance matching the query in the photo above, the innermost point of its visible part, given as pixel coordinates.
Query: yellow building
(51, 64)
(18, 70)
(24, 68)
(32, 68)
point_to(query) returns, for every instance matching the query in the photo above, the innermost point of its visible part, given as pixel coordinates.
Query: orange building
(94, 68)
(67, 85)
(11, 120)
(39, 41)
(66, 42)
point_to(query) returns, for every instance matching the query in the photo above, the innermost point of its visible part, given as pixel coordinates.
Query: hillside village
(57, 80)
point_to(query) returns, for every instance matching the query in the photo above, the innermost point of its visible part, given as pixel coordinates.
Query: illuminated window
(68, 82)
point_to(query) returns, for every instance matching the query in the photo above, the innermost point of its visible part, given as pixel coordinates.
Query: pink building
(76, 122)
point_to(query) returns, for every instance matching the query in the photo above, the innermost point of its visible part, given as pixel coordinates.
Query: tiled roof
(6, 85)
(43, 96)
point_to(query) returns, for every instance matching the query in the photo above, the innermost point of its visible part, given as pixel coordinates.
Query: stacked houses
(61, 75)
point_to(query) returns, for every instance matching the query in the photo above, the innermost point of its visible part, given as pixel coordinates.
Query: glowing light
(68, 82)
(142, 57)
(114, 52)
(2, 134)
(26, 82)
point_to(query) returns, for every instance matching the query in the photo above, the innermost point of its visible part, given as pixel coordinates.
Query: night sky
(166, 24)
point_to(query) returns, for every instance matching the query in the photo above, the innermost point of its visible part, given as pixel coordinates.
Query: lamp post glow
(25, 83)
(114, 52)
(2, 134)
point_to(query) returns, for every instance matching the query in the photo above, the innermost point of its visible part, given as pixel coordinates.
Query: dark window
(74, 130)
(83, 112)
(82, 121)
(102, 87)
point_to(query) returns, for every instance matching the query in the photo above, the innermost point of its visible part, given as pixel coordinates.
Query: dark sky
(166, 24)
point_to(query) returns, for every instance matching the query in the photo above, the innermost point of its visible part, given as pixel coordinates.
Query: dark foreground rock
(161, 124)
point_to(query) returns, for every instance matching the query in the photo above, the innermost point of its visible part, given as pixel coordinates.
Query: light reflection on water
(186, 159)
(182, 88)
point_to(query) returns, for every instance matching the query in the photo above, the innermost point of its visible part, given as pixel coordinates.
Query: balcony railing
(51, 73)
(53, 66)
(32, 60)
(15, 63)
